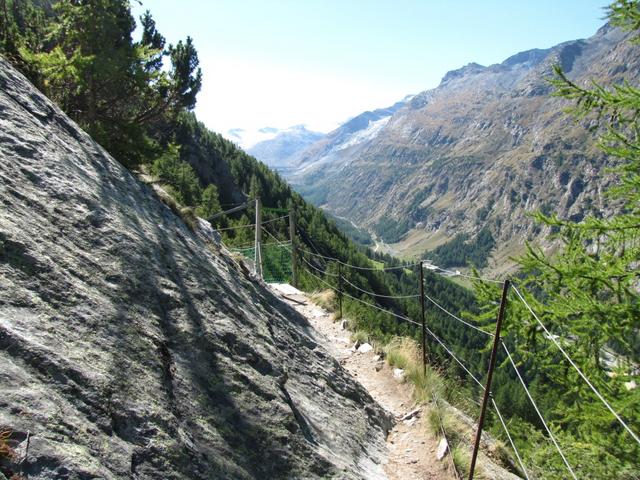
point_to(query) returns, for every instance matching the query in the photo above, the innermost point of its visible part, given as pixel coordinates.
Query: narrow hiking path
(411, 448)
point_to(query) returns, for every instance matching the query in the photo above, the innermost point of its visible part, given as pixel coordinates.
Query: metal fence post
(258, 245)
(424, 321)
(487, 387)
(292, 236)
(340, 288)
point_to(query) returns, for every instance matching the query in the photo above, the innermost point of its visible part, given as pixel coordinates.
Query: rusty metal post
(424, 321)
(487, 387)
(340, 287)
(258, 243)
(292, 236)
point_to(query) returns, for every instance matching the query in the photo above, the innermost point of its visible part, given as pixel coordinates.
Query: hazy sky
(318, 62)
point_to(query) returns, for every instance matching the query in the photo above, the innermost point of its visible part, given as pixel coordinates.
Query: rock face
(486, 147)
(131, 349)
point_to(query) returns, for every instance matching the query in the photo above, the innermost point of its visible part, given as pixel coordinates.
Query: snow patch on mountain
(362, 136)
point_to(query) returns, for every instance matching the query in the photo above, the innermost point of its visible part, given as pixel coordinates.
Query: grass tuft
(461, 460)
(435, 419)
(401, 352)
(325, 299)
(189, 216)
(360, 336)
(6, 452)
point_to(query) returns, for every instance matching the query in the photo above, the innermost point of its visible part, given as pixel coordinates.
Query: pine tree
(82, 55)
(209, 203)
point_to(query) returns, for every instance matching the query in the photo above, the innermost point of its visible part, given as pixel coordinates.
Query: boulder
(442, 448)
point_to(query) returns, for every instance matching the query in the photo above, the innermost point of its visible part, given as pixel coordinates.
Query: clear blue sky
(283, 62)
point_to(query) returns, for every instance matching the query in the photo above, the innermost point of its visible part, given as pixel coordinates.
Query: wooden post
(424, 321)
(487, 387)
(340, 288)
(258, 246)
(292, 236)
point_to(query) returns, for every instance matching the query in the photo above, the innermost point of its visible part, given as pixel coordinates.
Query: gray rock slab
(129, 349)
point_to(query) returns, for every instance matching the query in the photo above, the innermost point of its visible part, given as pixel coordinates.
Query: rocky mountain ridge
(132, 347)
(485, 148)
(280, 152)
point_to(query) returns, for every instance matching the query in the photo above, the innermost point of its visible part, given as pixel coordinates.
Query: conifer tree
(82, 55)
(210, 203)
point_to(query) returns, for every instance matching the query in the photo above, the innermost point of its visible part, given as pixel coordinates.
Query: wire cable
(455, 357)
(378, 294)
(577, 369)
(309, 241)
(513, 446)
(460, 274)
(246, 226)
(318, 270)
(274, 220)
(456, 317)
(553, 439)
(242, 206)
(375, 269)
(274, 237)
(323, 281)
(444, 435)
(234, 228)
(232, 204)
(401, 317)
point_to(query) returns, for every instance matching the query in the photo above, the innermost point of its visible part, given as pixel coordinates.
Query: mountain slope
(485, 148)
(281, 151)
(336, 147)
(133, 349)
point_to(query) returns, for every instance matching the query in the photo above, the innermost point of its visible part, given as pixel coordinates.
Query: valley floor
(411, 448)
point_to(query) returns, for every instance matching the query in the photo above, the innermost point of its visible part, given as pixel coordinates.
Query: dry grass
(188, 214)
(360, 336)
(440, 418)
(404, 353)
(462, 460)
(401, 352)
(459, 435)
(325, 299)
(6, 452)
(8, 457)
(428, 385)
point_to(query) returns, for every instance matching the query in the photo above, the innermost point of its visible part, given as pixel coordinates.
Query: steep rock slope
(484, 148)
(132, 349)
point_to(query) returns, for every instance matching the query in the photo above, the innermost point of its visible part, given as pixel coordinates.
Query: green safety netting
(276, 261)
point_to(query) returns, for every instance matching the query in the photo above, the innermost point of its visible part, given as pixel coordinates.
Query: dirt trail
(412, 450)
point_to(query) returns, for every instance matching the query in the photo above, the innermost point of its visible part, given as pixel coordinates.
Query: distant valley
(466, 163)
